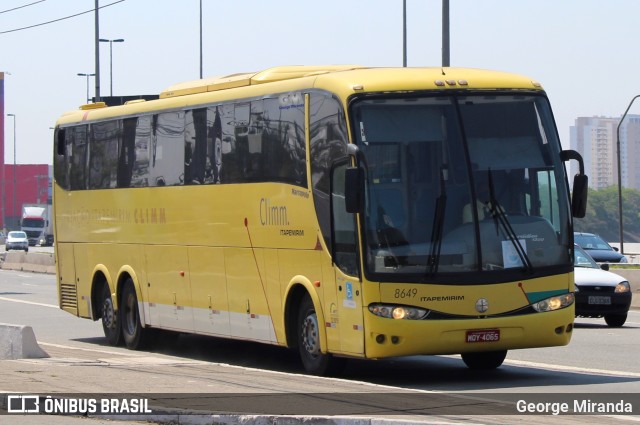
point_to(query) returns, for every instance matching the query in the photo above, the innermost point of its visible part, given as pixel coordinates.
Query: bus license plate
(599, 300)
(483, 335)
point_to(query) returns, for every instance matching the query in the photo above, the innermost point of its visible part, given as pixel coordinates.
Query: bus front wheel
(110, 322)
(485, 360)
(308, 332)
(132, 330)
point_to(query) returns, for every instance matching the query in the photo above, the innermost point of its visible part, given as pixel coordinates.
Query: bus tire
(132, 330)
(484, 360)
(308, 334)
(110, 322)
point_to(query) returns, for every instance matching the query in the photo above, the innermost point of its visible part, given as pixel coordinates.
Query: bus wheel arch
(306, 332)
(98, 282)
(294, 294)
(105, 307)
(125, 274)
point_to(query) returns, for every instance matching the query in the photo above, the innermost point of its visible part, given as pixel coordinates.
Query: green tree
(602, 215)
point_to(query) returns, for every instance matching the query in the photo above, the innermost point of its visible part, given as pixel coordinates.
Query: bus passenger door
(345, 259)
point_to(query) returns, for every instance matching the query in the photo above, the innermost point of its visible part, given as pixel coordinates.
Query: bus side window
(126, 152)
(76, 153)
(343, 224)
(60, 141)
(103, 154)
(167, 153)
(195, 146)
(142, 143)
(61, 167)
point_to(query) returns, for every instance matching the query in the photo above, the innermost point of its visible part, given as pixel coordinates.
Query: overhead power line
(20, 7)
(60, 19)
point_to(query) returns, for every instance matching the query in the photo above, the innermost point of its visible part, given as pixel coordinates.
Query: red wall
(30, 178)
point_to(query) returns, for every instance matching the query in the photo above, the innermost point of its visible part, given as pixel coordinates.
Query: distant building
(596, 139)
(32, 186)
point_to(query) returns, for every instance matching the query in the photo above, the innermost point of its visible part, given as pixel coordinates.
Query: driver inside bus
(482, 202)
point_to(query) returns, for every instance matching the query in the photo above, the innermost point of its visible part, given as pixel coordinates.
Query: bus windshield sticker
(510, 256)
(363, 137)
(349, 302)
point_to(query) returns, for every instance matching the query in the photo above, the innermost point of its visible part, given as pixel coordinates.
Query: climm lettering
(272, 215)
(149, 216)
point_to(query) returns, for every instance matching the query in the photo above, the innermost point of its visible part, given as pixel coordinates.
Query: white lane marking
(625, 418)
(93, 350)
(29, 302)
(522, 363)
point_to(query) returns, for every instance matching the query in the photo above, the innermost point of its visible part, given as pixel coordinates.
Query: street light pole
(404, 33)
(445, 34)
(2, 167)
(200, 39)
(620, 174)
(80, 74)
(117, 40)
(14, 163)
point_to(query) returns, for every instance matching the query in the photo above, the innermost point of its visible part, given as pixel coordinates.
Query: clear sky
(584, 52)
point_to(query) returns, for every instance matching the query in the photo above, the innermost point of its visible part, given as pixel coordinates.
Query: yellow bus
(341, 211)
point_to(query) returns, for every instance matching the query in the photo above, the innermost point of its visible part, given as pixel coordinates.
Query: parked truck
(37, 224)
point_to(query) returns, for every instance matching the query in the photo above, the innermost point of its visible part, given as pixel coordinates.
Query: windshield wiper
(438, 224)
(499, 216)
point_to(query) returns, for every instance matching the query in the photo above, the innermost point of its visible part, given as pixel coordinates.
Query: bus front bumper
(390, 338)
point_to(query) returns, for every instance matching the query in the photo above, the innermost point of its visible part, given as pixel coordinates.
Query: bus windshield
(462, 184)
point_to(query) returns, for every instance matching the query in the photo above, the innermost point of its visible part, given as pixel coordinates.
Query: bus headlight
(398, 312)
(554, 303)
(622, 287)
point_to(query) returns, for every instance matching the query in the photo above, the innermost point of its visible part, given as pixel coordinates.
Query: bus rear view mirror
(579, 196)
(353, 186)
(580, 184)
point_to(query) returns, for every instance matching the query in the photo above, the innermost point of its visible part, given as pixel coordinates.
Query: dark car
(600, 293)
(598, 248)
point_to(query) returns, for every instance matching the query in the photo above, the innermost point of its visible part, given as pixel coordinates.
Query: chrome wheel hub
(108, 315)
(310, 338)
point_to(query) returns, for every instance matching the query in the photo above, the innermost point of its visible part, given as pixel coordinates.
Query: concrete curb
(19, 342)
(215, 419)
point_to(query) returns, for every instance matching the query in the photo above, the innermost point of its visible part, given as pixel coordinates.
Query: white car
(600, 293)
(17, 240)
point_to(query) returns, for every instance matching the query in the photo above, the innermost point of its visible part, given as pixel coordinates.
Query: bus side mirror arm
(354, 182)
(580, 185)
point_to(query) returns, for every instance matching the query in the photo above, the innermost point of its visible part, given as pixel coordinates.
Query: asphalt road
(599, 360)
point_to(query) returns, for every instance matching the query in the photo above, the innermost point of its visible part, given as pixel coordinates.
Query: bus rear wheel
(132, 330)
(485, 360)
(110, 322)
(308, 332)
